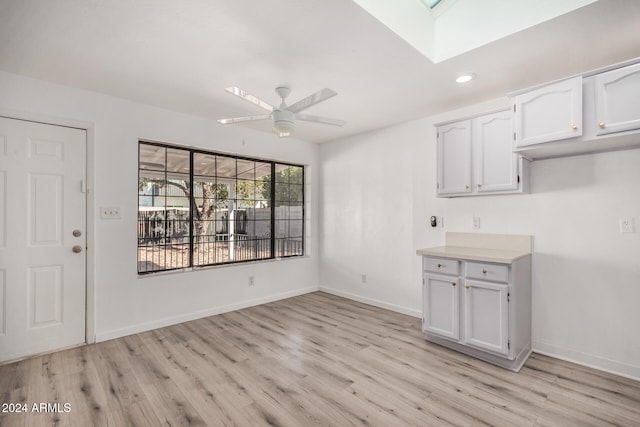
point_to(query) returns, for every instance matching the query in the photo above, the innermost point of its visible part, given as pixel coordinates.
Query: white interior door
(42, 237)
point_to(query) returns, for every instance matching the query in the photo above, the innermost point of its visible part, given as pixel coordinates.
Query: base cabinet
(479, 308)
(486, 313)
(442, 300)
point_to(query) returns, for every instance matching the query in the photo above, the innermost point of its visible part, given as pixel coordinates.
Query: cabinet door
(551, 113)
(486, 312)
(618, 100)
(496, 164)
(441, 306)
(454, 158)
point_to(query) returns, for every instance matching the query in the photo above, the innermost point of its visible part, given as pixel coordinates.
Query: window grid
(199, 208)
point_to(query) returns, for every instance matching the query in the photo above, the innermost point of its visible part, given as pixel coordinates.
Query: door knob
(77, 233)
(77, 249)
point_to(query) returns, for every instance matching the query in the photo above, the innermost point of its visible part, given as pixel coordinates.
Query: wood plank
(312, 360)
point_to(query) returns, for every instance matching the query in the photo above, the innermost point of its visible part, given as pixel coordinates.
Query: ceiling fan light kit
(283, 117)
(283, 122)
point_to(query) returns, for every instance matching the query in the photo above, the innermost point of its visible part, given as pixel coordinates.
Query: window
(198, 208)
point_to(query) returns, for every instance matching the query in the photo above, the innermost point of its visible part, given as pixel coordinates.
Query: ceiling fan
(284, 116)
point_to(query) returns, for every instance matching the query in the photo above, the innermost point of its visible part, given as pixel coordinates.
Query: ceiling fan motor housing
(283, 121)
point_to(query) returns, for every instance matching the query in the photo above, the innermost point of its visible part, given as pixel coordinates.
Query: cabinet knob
(484, 271)
(479, 185)
(467, 286)
(601, 125)
(439, 265)
(574, 127)
(453, 283)
(466, 187)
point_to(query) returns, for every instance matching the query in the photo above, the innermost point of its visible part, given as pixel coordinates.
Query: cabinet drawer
(492, 272)
(442, 265)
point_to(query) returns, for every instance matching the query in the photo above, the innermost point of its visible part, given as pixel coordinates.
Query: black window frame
(275, 244)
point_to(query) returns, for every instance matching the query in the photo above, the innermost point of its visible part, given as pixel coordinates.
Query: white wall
(378, 192)
(366, 218)
(121, 302)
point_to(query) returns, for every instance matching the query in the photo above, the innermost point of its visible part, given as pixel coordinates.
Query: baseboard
(161, 323)
(397, 308)
(589, 360)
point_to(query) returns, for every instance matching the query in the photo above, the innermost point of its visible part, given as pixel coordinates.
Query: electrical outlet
(110, 212)
(364, 278)
(627, 225)
(252, 281)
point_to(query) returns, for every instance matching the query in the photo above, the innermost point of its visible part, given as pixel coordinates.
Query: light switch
(110, 212)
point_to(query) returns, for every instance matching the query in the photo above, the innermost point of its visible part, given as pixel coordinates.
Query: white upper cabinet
(595, 112)
(454, 151)
(617, 97)
(496, 164)
(550, 113)
(475, 156)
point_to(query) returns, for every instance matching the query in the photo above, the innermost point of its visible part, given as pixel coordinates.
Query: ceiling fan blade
(310, 100)
(250, 98)
(318, 119)
(243, 119)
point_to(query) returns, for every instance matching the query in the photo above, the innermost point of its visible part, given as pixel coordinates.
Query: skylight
(443, 29)
(430, 3)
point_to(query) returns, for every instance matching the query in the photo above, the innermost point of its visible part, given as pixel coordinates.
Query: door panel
(45, 210)
(618, 100)
(42, 280)
(441, 306)
(45, 299)
(496, 164)
(487, 316)
(454, 158)
(551, 113)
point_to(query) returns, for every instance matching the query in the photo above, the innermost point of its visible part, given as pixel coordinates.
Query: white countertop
(500, 256)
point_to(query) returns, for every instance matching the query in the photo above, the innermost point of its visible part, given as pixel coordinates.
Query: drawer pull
(440, 265)
(484, 271)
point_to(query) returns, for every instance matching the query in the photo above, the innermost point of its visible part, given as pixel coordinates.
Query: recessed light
(464, 78)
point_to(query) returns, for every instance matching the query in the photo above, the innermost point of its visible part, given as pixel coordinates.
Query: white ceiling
(180, 55)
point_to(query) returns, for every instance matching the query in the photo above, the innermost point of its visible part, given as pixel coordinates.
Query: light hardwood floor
(315, 359)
